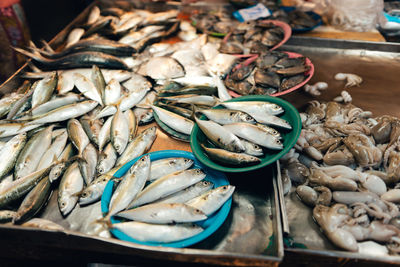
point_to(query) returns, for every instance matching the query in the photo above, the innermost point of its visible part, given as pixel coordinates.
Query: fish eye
(104, 180)
(278, 142)
(276, 107)
(84, 195)
(62, 204)
(275, 132)
(186, 160)
(198, 211)
(256, 146)
(249, 118)
(198, 171)
(225, 187)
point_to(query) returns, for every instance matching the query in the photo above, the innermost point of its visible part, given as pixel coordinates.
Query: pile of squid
(345, 165)
(72, 141)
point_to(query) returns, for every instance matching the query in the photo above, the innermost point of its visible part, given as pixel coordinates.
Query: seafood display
(297, 19)
(345, 167)
(164, 200)
(241, 132)
(271, 73)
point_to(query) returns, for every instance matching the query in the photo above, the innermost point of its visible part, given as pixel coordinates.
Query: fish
(87, 88)
(163, 213)
(54, 151)
(62, 113)
(112, 92)
(174, 121)
(188, 193)
(167, 185)
(136, 83)
(254, 134)
(226, 116)
(132, 123)
(7, 215)
(74, 36)
(9, 153)
(77, 135)
(18, 188)
(95, 189)
(22, 103)
(231, 158)
(271, 120)
(77, 60)
(130, 186)
(251, 148)
(88, 165)
(162, 68)
(107, 159)
(162, 167)
(161, 233)
(7, 102)
(91, 127)
(43, 224)
(255, 107)
(14, 128)
(55, 103)
(191, 99)
(105, 133)
(43, 89)
(64, 160)
(184, 112)
(98, 80)
(119, 131)
(212, 200)
(70, 185)
(220, 136)
(34, 149)
(34, 201)
(94, 15)
(138, 146)
(102, 45)
(135, 36)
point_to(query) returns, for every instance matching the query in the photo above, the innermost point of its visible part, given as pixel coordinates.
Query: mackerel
(88, 165)
(162, 167)
(119, 131)
(54, 151)
(188, 193)
(255, 107)
(43, 89)
(9, 153)
(174, 121)
(70, 185)
(87, 88)
(77, 135)
(107, 159)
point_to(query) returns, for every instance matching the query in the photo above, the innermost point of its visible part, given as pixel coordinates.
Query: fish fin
(144, 105)
(106, 220)
(46, 46)
(77, 194)
(195, 110)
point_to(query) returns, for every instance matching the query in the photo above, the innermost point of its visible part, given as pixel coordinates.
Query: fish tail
(36, 57)
(105, 220)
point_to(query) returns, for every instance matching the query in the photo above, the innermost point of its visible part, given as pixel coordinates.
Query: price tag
(252, 13)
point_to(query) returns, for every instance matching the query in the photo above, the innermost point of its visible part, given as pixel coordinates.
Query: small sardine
(138, 146)
(105, 133)
(255, 107)
(168, 185)
(54, 151)
(220, 136)
(162, 233)
(43, 90)
(132, 183)
(92, 128)
(88, 165)
(132, 123)
(107, 159)
(98, 80)
(226, 116)
(163, 213)
(174, 121)
(9, 153)
(119, 131)
(77, 135)
(232, 158)
(70, 185)
(58, 169)
(162, 167)
(212, 200)
(188, 193)
(254, 134)
(205, 100)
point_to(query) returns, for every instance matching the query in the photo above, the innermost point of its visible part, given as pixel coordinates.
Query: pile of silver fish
(162, 200)
(270, 73)
(239, 132)
(345, 166)
(70, 141)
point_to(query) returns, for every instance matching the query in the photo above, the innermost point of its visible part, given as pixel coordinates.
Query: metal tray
(378, 65)
(250, 236)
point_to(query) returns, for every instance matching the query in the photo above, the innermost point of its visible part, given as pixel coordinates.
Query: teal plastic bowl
(210, 225)
(289, 137)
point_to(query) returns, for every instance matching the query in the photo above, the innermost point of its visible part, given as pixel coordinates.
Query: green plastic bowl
(289, 137)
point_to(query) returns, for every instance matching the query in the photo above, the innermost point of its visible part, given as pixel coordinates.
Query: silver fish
(87, 88)
(174, 121)
(163, 213)
(162, 68)
(137, 82)
(232, 158)
(135, 36)
(119, 131)
(220, 136)
(7, 215)
(92, 128)
(94, 15)
(226, 116)
(7, 102)
(30, 156)
(43, 224)
(88, 165)
(107, 159)
(255, 107)
(270, 130)
(112, 92)
(132, 123)
(192, 99)
(64, 113)
(33, 201)
(162, 233)
(271, 120)
(254, 134)
(10, 152)
(138, 146)
(77, 135)
(43, 89)
(132, 183)
(188, 193)
(212, 200)
(11, 129)
(55, 103)
(251, 148)
(95, 189)
(162, 167)
(104, 134)
(70, 185)
(58, 169)
(18, 188)
(54, 151)
(98, 80)
(168, 185)
(6, 181)
(74, 36)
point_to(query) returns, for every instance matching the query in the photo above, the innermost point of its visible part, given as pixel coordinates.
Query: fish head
(276, 144)
(89, 195)
(276, 109)
(56, 172)
(66, 204)
(247, 118)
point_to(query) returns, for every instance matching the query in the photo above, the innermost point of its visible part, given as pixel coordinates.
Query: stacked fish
(272, 72)
(107, 41)
(240, 131)
(160, 200)
(82, 138)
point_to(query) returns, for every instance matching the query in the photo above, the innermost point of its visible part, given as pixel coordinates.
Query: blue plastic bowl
(210, 225)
